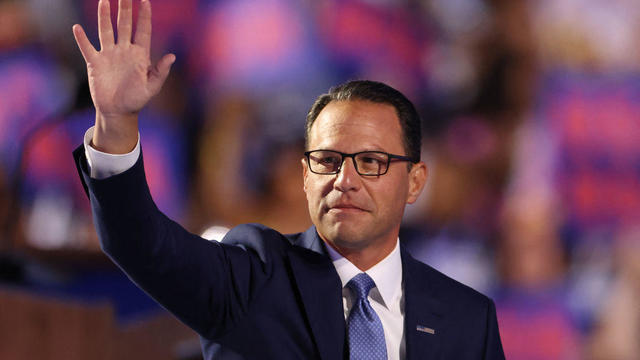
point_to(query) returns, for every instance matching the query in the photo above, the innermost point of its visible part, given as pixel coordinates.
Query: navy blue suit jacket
(264, 295)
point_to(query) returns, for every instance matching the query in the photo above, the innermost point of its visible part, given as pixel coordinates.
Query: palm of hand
(121, 77)
(119, 80)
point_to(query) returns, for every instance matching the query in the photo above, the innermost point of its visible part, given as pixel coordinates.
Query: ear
(305, 172)
(417, 179)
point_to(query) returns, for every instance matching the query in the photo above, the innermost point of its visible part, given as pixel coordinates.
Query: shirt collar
(387, 274)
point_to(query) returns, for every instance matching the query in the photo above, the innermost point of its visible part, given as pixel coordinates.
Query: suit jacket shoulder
(451, 291)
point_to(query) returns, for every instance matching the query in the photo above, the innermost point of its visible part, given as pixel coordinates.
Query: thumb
(159, 73)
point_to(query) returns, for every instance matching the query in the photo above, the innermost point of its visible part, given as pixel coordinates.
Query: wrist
(115, 134)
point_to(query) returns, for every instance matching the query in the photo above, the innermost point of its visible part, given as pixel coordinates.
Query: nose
(348, 178)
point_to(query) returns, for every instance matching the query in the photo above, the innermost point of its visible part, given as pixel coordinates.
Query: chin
(350, 237)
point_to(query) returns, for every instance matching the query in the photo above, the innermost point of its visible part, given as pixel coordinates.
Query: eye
(325, 162)
(371, 163)
(328, 160)
(371, 160)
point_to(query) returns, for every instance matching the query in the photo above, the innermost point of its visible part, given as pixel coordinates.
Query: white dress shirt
(102, 165)
(386, 298)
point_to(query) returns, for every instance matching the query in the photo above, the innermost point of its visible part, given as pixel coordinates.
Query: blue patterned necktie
(366, 336)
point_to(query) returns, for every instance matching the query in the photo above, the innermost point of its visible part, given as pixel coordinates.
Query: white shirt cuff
(102, 165)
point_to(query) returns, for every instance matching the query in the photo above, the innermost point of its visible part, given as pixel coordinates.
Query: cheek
(315, 190)
(392, 197)
(388, 203)
(312, 197)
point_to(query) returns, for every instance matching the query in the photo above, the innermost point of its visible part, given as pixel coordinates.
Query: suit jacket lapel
(320, 290)
(424, 312)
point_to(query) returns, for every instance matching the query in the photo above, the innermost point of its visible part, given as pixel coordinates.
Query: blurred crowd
(531, 113)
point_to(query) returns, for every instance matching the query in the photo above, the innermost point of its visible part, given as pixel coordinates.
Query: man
(342, 289)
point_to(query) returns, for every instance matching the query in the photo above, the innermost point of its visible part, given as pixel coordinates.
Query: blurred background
(531, 115)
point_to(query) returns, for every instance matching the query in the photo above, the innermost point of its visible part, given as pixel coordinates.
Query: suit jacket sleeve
(493, 345)
(207, 285)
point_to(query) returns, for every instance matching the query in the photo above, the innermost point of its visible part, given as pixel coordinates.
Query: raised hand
(122, 78)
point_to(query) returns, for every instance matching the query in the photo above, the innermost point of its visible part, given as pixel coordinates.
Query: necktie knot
(361, 284)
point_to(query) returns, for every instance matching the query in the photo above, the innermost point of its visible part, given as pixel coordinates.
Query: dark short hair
(376, 92)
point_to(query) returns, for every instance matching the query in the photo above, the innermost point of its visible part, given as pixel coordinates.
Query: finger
(160, 72)
(124, 21)
(105, 29)
(143, 31)
(87, 50)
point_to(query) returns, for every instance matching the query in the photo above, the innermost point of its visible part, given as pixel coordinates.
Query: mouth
(345, 208)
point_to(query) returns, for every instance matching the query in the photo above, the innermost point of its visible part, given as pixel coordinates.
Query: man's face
(351, 211)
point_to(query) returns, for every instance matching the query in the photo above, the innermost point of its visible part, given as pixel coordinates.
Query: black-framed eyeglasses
(367, 163)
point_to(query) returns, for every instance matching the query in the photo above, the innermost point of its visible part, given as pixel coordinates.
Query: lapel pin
(425, 329)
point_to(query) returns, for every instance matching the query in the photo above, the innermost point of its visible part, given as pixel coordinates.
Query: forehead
(357, 125)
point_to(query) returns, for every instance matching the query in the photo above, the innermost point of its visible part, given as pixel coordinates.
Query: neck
(365, 258)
